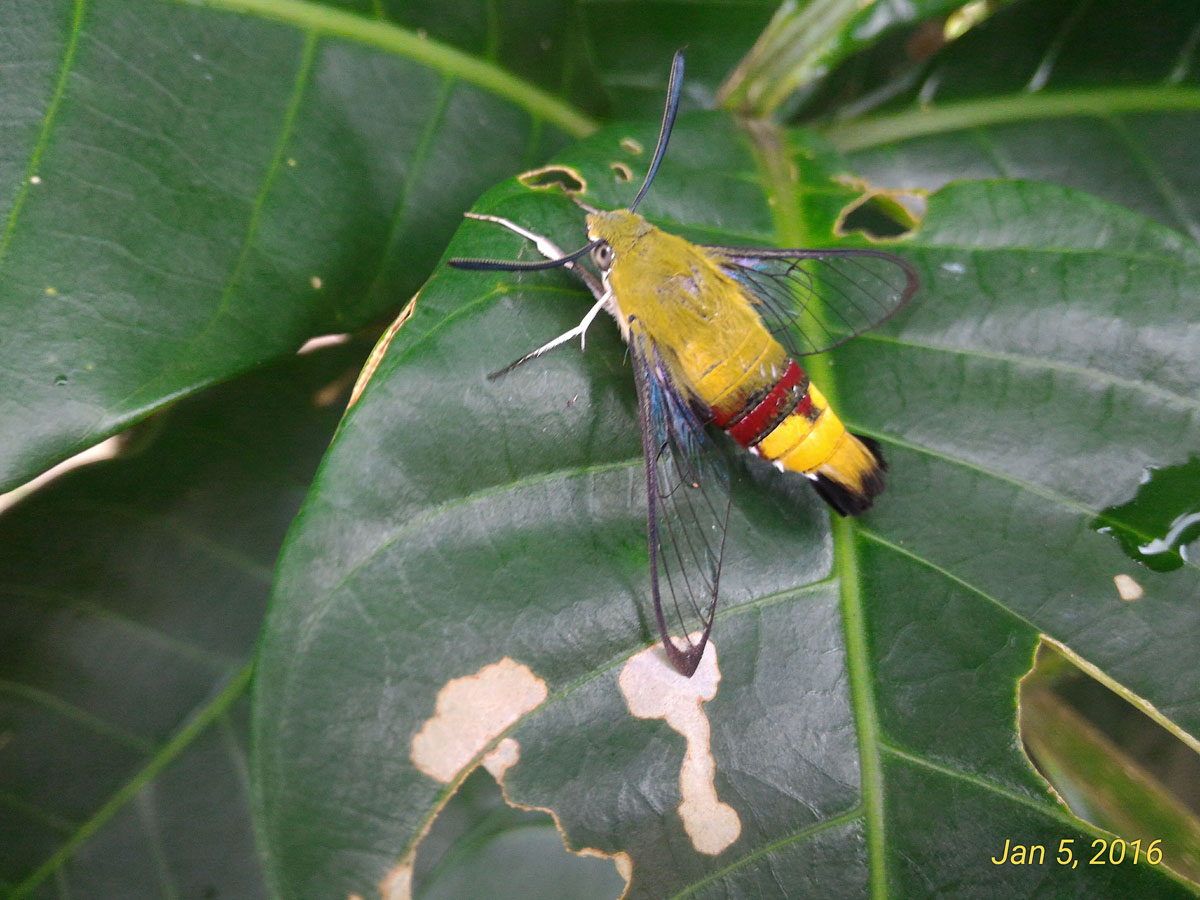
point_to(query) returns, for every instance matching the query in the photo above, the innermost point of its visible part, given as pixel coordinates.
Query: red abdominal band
(748, 430)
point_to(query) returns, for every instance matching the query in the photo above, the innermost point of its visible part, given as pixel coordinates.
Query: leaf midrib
(775, 167)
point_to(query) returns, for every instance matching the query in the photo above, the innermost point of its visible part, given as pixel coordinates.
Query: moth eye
(602, 255)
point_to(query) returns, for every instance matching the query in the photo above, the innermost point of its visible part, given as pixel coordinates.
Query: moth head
(617, 231)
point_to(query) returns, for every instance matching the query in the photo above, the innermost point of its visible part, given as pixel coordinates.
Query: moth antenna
(518, 265)
(674, 88)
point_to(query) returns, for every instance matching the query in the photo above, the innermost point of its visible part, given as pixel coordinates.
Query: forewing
(812, 300)
(687, 488)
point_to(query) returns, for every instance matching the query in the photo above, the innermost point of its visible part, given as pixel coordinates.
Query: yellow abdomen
(767, 404)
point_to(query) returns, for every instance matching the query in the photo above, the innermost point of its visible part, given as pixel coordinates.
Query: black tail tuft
(873, 445)
(850, 500)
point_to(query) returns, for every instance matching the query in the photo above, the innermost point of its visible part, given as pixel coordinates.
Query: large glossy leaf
(190, 189)
(186, 192)
(131, 596)
(1101, 96)
(864, 728)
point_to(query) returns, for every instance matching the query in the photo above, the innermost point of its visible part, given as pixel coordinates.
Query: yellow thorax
(688, 305)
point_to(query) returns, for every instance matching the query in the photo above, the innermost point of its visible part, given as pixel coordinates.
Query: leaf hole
(481, 846)
(1159, 526)
(1107, 756)
(621, 172)
(550, 177)
(882, 215)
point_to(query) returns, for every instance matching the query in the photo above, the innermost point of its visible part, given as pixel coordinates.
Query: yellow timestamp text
(1102, 852)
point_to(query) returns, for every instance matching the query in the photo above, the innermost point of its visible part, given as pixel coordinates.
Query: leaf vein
(797, 836)
(273, 168)
(60, 89)
(138, 630)
(1036, 489)
(1086, 372)
(420, 158)
(196, 726)
(1053, 811)
(875, 131)
(1156, 174)
(946, 573)
(76, 714)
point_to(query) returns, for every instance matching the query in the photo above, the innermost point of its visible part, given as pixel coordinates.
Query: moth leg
(579, 331)
(546, 247)
(550, 250)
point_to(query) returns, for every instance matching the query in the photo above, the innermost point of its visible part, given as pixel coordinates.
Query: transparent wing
(812, 300)
(687, 488)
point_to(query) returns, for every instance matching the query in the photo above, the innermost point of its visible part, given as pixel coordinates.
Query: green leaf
(188, 191)
(1104, 98)
(132, 594)
(864, 728)
(156, 240)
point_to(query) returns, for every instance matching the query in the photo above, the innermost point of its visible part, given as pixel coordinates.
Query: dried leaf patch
(654, 690)
(471, 712)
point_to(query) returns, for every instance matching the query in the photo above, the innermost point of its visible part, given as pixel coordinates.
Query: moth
(714, 335)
